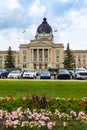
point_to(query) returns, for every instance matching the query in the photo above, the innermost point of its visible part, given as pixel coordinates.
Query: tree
(9, 62)
(69, 61)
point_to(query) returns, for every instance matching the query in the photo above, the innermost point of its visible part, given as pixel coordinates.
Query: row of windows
(40, 51)
(1, 62)
(4, 57)
(57, 52)
(80, 56)
(35, 66)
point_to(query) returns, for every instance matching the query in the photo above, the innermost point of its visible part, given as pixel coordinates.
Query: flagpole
(56, 32)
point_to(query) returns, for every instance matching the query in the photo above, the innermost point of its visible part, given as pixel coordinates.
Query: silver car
(14, 74)
(29, 73)
(80, 73)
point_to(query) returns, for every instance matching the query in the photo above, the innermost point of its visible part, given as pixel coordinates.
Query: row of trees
(69, 61)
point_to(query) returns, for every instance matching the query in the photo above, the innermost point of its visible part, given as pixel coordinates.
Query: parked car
(45, 74)
(52, 73)
(14, 74)
(29, 73)
(3, 73)
(80, 73)
(63, 74)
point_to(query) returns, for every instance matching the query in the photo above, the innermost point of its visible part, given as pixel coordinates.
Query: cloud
(8, 5)
(85, 1)
(13, 4)
(72, 28)
(64, 1)
(36, 9)
(9, 37)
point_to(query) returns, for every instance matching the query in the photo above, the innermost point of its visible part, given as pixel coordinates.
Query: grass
(52, 89)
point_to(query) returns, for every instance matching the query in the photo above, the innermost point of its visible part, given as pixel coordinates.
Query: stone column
(32, 55)
(37, 55)
(48, 54)
(43, 55)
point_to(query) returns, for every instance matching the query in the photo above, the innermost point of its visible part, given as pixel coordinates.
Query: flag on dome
(24, 31)
(55, 30)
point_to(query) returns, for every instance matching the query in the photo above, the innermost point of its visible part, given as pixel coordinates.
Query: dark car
(63, 74)
(45, 74)
(52, 73)
(3, 73)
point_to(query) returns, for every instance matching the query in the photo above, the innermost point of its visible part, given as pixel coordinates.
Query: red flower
(24, 101)
(10, 96)
(36, 102)
(4, 101)
(32, 105)
(82, 104)
(62, 104)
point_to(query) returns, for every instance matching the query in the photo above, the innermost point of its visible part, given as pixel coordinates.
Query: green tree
(9, 62)
(69, 61)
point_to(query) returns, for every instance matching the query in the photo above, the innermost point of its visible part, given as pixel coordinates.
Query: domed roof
(44, 27)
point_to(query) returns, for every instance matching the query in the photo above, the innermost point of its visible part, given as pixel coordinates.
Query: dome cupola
(44, 27)
(44, 31)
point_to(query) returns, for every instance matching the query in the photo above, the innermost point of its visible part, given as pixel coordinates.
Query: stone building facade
(42, 52)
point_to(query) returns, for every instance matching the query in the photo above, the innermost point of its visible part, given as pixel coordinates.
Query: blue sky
(69, 17)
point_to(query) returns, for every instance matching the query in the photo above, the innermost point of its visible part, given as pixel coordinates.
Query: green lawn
(53, 89)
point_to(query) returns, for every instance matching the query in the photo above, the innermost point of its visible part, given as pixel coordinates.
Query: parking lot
(79, 74)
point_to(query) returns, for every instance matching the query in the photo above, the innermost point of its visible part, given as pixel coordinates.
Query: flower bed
(34, 112)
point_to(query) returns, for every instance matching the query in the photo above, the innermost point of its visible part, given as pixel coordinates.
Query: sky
(69, 17)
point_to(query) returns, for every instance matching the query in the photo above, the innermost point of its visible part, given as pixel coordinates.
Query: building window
(14, 57)
(49, 51)
(84, 62)
(0, 62)
(57, 66)
(46, 51)
(24, 66)
(84, 56)
(35, 51)
(35, 66)
(46, 58)
(74, 56)
(40, 59)
(35, 58)
(57, 58)
(49, 58)
(40, 51)
(24, 59)
(18, 61)
(79, 56)
(18, 57)
(57, 51)
(5, 57)
(1, 57)
(79, 62)
(24, 52)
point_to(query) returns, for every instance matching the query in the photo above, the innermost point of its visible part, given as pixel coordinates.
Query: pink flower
(64, 124)
(49, 125)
